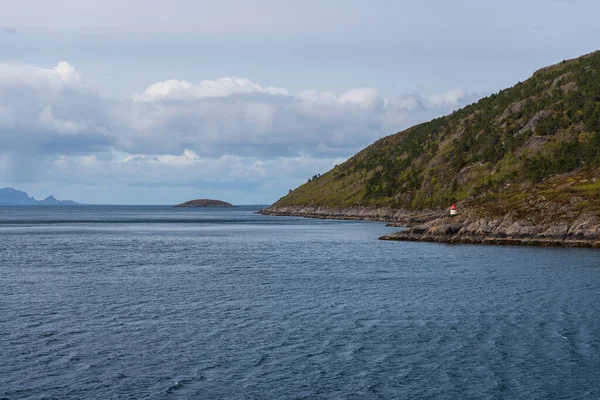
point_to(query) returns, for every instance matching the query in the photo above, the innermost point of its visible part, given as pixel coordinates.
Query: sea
(155, 302)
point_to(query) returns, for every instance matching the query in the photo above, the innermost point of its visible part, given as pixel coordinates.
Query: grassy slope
(537, 142)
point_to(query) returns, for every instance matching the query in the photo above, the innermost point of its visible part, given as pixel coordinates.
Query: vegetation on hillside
(507, 143)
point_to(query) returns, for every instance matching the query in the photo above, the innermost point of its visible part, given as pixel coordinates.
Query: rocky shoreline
(468, 228)
(395, 217)
(583, 231)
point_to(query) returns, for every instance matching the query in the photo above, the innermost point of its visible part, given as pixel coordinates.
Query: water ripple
(101, 302)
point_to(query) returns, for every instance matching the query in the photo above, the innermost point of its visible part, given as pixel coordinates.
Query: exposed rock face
(583, 232)
(534, 121)
(205, 203)
(514, 109)
(585, 227)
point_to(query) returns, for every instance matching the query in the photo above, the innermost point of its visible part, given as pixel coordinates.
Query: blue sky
(156, 102)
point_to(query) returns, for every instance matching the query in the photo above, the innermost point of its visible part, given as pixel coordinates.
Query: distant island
(14, 197)
(205, 203)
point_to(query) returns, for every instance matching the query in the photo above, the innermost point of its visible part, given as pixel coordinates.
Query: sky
(159, 102)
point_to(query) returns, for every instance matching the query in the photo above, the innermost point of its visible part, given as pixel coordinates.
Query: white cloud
(180, 133)
(223, 87)
(448, 99)
(42, 80)
(187, 158)
(58, 125)
(67, 73)
(56, 111)
(52, 111)
(366, 97)
(178, 172)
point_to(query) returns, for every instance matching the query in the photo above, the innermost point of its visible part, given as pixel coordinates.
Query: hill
(528, 155)
(205, 203)
(14, 197)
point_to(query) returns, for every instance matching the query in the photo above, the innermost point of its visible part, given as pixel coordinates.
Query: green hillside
(539, 138)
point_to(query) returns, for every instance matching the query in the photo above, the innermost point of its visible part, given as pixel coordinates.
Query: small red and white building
(453, 210)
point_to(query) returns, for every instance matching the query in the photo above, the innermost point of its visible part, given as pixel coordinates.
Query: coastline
(486, 240)
(393, 217)
(467, 228)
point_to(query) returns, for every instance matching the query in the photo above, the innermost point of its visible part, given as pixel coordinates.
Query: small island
(205, 203)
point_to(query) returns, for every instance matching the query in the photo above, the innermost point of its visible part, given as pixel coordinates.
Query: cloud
(448, 99)
(51, 111)
(223, 87)
(56, 111)
(180, 133)
(237, 116)
(116, 177)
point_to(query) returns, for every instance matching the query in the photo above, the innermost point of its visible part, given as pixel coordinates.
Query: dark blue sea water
(164, 303)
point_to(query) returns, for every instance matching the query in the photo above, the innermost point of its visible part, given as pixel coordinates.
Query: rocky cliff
(584, 231)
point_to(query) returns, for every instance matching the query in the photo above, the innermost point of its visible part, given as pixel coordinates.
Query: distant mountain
(14, 197)
(51, 201)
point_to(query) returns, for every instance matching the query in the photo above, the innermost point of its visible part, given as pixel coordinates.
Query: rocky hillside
(530, 153)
